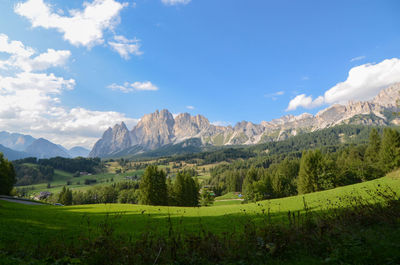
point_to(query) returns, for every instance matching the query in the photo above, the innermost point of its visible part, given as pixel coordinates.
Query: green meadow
(61, 178)
(44, 222)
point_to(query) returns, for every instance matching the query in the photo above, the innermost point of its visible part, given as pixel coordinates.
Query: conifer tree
(186, 190)
(389, 153)
(311, 167)
(7, 176)
(153, 187)
(65, 196)
(373, 148)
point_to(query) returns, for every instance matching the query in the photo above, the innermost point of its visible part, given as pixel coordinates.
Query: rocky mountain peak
(113, 140)
(154, 129)
(388, 97)
(161, 128)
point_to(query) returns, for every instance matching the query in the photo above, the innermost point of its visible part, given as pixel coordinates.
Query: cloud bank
(84, 27)
(30, 98)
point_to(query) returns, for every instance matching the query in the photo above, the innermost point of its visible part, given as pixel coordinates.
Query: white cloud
(30, 101)
(82, 27)
(51, 58)
(190, 107)
(363, 83)
(275, 95)
(136, 86)
(175, 2)
(125, 47)
(358, 58)
(21, 56)
(14, 47)
(305, 102)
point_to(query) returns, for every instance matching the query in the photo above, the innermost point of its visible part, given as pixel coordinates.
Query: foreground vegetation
(333, 226)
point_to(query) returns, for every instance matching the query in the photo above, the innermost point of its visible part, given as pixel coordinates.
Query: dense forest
(333, 137)
(265, 177)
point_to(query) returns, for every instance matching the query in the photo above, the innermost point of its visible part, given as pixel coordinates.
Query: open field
(24, 226)
(136, 218)
(62, 177)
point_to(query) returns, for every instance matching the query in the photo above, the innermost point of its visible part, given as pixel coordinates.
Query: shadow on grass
(361, 233)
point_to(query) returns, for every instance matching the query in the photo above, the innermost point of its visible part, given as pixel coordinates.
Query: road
(21, 201)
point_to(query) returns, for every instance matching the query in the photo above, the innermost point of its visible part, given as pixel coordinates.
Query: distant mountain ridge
(160, 128)
(42, 148)
(17, 146)
(15, 141)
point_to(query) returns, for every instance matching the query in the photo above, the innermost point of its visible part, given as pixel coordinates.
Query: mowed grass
(36, 224)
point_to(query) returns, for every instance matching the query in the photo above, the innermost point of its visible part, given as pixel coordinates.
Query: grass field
(26, 225)
(135, 218)
(61, 178)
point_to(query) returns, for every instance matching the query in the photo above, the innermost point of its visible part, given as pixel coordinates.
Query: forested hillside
(314, 169)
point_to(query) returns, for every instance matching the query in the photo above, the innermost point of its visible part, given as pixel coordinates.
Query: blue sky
(227, 60)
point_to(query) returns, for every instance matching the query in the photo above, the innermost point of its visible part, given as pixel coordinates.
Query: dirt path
(225, 200)
(21, 201)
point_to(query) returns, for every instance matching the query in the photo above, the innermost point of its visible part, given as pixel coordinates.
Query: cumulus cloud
(175, 2)
(21, 57)
(363, 83)
(136, 86)
(125, 47)
(190, 107)
(30, 100)
(82, 27)
(14, 47)
(304, 101)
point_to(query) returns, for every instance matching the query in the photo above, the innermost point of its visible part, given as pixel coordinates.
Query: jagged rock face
(154, 130)
(113, 140)
(388, 97)
(160, 128)
(187, 126)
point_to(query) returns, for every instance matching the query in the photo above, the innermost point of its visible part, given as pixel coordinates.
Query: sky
(71, 69)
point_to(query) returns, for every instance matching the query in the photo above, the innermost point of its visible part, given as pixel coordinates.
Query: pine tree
(65, 196)
(311, 168)
(186, 190)
(153, 187)
(389, 153)
(374, 146)
(7, 176)
(248, 184)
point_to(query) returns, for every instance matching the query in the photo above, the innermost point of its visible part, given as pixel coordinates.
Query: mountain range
(17, 146)
(161, 128)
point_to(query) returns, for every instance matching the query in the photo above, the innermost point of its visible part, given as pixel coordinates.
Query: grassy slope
(61, 177)
(35, 223)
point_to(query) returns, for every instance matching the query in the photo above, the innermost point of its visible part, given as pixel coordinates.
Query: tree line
(154, 188)
(90, 165)
(31, 170)
(314, 170)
